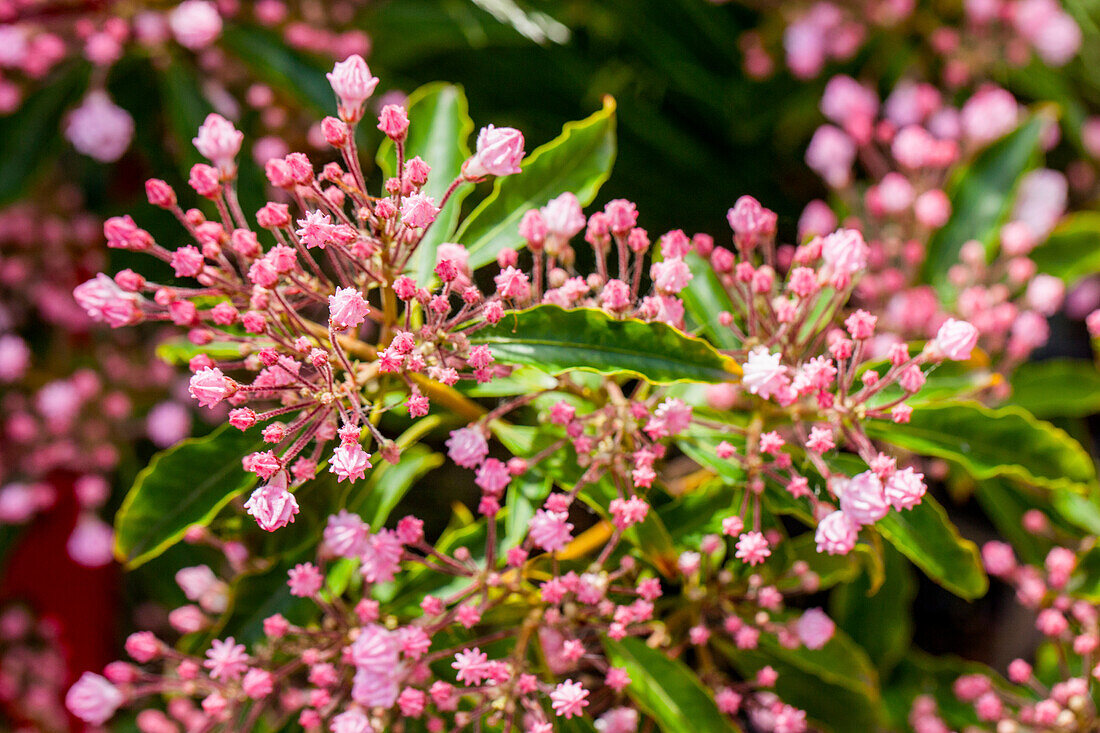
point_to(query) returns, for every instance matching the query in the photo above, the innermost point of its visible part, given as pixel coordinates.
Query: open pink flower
(569, 698)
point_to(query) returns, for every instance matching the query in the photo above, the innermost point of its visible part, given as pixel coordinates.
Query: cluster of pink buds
(908, 145)
(988, 34)
(324, 315)
(362, 668)
(1029, 699)
(37, 40)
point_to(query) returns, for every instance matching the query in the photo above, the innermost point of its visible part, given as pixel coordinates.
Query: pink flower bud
(394, 122)
(272, 505)
(353, 84)
(93, 699)
(499, 152)
(205, 180)
(195, 23)
(160, 193)
(219, 142)
(418, 211)
(836, 534)
(956, 339)
(347, 308)
(209, 386)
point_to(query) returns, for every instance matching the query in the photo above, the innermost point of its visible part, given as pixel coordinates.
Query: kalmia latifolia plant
(666, 446)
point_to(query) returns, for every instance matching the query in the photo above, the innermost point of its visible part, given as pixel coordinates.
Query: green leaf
(180, 351)
(269, 58)
(559, 340)
(30, 136)
(981, 197)
(1085, 582)
(1005, 505)
(878, 621)
(578, 161)
(1073, 249)
(1057, 387)
(259, 595)
(1080, 511)
(525, 494)
(439, 126)
(704, 299)
(926, 536)
(388, 484)
(169, 496)
(1006, 441)
(666, 689)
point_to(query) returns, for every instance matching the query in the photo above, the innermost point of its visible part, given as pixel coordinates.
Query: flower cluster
(308, 330)
(362, 668)
(908, 146)
(40, 41)
(1052, 696)
(298, 317)
(984, 36)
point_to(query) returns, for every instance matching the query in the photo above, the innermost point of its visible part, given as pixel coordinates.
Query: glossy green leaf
(269, 58)
(829, 569)
(31, 135)
(987, 442)
(1073, 249)
(578, 161)
(926, 536)
(666, 689)
(559, 340)
(919, 673)
(168, 496)
(981, 197)
(1057, 387)
(439, 126)
(1081, 511)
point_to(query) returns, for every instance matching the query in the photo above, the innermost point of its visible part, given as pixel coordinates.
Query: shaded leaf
(30, 136)
(388, 484)
(1073, 249)
(981, 197)
(878, 621)
(269, 57)
(926, 536)
(666, 689)
(704, 299)
(1058, 387)
(836, 685)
